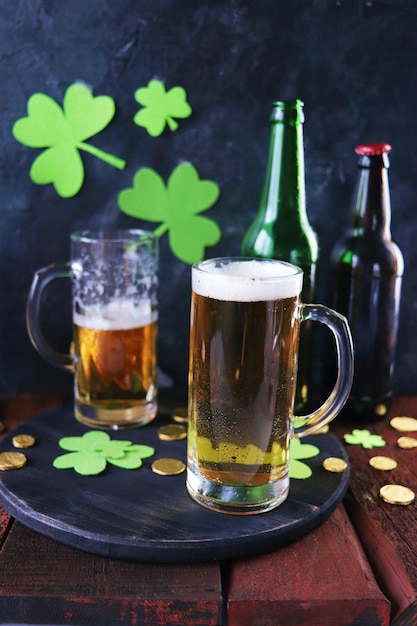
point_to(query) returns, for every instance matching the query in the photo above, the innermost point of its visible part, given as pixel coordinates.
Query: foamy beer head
(120, 314)
(246, 280)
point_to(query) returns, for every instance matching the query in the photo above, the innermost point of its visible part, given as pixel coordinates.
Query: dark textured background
(353, 62)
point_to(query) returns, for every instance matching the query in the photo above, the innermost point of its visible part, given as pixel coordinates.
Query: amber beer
(243, 363)
(115, 349)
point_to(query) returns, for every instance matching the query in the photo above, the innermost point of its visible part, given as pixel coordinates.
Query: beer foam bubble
(246, 281)
(117, 315)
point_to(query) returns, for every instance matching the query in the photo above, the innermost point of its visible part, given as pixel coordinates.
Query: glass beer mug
(114, 304)
(244, 331)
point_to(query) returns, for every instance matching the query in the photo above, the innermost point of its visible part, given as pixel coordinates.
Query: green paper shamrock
(365, 439)
(299, 422)
(161, 107)
(90, 453)
(177, 206)
(63, 133)
(299, 451)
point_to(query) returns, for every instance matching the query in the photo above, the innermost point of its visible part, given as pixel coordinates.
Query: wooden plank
(16, 408)
(387, 532)
(45, 582)
(5, 523)
(321, 580)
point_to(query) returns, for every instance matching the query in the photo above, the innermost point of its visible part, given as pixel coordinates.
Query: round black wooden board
(142, 516)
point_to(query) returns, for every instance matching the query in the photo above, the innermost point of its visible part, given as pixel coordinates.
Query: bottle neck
(372, 209)
(283, 195)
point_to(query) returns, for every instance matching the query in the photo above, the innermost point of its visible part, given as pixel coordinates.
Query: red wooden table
(359, 567)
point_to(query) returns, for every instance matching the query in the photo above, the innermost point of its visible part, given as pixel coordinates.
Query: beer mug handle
(41, 278)
(344, 347)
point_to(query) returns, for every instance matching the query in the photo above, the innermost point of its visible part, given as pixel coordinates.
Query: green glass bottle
(367, 268)
(281, 229)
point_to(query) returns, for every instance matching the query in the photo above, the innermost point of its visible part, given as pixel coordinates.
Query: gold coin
(172, 432)
(334, 464)
(382, 463)
(381, 409)
(12, 460)
(404, 424)
(407, 443)
(23, 441)
(397, 494)
(168, 467)
(2, 427)
(180, 415)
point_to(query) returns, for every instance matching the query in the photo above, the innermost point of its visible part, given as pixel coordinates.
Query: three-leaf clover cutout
(90, 453)
(365, 439)
(62, 133)
(160, 107)
(298, 451)
(177, 206)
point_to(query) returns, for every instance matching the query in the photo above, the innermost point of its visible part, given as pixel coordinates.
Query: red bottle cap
(372, 149)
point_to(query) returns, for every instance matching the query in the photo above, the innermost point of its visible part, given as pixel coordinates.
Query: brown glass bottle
(281, 229)
(367, 268)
